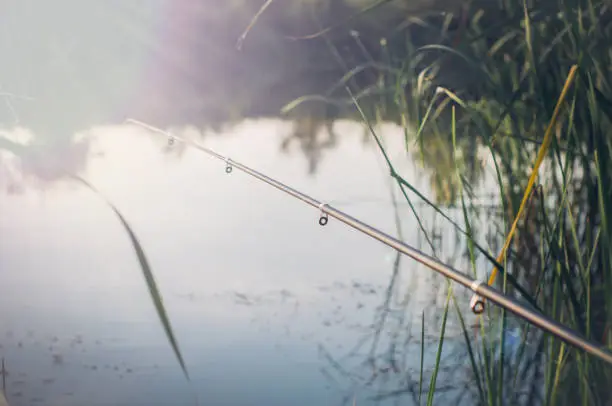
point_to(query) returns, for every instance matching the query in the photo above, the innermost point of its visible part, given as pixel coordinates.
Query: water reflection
(250, 287)
(174, 63)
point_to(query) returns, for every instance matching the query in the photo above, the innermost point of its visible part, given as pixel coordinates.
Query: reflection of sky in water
(260, 295)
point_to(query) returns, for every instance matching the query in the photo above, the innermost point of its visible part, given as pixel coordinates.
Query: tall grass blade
(473, 363)
(350, 18)
(541, 154)
(309, 98)
(422, 355)
(242, 37)
(555, 384)
(434, 377)
(148, 275)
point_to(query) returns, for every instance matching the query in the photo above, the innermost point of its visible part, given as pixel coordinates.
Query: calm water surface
(269, 308)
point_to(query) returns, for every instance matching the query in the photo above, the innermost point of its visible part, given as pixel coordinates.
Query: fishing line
(480, 289)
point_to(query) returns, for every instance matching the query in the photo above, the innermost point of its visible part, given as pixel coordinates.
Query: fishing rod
(480, 289)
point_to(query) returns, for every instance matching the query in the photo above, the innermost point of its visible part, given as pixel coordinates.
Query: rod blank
(479, 288)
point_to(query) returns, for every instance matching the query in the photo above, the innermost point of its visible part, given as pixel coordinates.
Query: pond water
(267, 306)
(263, 300)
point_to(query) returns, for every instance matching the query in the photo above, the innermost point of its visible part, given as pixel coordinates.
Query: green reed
(561, 257)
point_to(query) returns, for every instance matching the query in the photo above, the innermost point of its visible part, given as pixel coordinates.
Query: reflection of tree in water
(313, 131)
(25, 160)
(385, 363)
